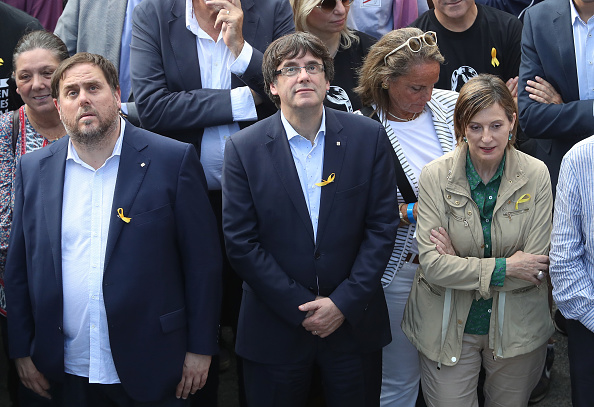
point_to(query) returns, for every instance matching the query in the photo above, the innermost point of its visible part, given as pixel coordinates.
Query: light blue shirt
(572, 240)
(584, 53)
(309, 162)
(86, 212)
(124, 68)
(216, 66)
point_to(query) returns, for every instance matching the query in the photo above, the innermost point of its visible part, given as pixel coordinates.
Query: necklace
(414, 116)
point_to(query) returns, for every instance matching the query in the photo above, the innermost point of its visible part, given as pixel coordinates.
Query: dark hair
(375, 71)
(40, 40)
(291, 46)
(479, 93)
(109, 70)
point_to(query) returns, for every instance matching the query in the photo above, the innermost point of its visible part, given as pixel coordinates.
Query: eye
(416, 88)
(311, 68)
(291, 70)
(71, 93)
(474, 127)
(93, 87)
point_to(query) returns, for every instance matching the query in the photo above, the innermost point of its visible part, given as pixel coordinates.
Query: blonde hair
(301, 10)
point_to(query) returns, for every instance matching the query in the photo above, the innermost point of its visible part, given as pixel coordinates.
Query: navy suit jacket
(161, 280)
(166, 73)
(548, 51)
(270, 241)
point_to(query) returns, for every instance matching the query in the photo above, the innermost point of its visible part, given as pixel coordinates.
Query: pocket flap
(173, 320)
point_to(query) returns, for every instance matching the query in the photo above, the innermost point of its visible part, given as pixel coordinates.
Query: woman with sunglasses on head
(396, 86)
(480, 295)
(327, 20)
(32, 126)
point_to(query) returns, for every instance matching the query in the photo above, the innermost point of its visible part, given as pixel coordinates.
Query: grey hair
(40, 40)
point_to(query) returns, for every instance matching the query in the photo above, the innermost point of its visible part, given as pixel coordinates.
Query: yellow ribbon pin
(122, 217)
(1, 62)
(494, 60)
(523, 198)
(324, 183)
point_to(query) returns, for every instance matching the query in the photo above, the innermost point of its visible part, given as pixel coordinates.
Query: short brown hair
(479, 93)
(40, 39)
(375, 71)
(109, 70)
(291, 46)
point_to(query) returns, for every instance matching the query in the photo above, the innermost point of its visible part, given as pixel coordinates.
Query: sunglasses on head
(415, 43)
(327, 6)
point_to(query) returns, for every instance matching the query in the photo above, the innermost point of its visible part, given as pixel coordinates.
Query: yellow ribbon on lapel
(328, 181)
(122, 217)
(523, 198)
(1, 62)
(494, 60)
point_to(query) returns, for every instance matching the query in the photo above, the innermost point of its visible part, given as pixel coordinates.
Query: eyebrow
(295, 63)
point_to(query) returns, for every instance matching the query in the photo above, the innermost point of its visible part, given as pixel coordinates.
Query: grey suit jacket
(548, 51)
(103, 22)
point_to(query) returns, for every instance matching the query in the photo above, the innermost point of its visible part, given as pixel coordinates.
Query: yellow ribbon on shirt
(494, 60)
(122, 217)
(523, 198)
(328, 181)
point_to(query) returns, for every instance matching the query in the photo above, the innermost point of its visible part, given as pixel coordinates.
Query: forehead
(35, 57)
(301, 59)
(82, 73)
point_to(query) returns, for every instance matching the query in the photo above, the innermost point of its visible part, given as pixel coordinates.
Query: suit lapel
(51, 177)
(564, 32)
(282, 160)
(183, 47)
(334, 150)
(131, 172)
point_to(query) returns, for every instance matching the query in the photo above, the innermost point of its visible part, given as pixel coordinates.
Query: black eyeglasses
(311, 69)
(327, 6)
(415, 43)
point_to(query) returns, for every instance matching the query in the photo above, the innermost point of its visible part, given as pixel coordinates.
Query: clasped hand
(323, 316)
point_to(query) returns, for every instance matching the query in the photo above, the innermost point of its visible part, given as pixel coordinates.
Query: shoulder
(445, 98)
(494, 15)
(16, 19)
(582, 151)
(546, 8)
(350, 122)
(365, 40)
(259, 132)
(529, 164)
(155, 6)
(426, 21)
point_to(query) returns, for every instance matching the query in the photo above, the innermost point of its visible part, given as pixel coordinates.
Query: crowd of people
(382, 199)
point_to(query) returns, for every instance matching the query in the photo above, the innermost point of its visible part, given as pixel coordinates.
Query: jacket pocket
(152, 215)
(347, 193)
(173, 321)
(427, 286)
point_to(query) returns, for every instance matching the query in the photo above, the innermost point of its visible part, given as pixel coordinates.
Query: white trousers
(400, 364)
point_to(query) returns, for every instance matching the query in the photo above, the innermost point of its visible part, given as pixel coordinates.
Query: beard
(92, 137)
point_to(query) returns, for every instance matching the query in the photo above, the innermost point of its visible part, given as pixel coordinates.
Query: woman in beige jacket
(480, 292)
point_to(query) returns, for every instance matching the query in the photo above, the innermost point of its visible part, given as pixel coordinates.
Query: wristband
(409, 213)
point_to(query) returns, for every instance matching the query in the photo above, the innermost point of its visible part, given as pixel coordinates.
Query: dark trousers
(348, 380)
(77, 391)
(580, 344)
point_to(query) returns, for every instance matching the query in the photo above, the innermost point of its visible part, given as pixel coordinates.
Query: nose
(303, 75)
(83, 98)
(340, 8)
(39, 82)
(487, 136)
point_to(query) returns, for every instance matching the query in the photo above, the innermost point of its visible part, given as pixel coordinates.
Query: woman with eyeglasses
(327, 20)
(396, 86)
(480, 295)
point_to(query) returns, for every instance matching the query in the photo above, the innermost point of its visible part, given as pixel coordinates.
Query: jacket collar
(514, 176)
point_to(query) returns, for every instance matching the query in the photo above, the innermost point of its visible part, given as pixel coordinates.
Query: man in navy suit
(309, 218)
(113, 271)
(556, 109)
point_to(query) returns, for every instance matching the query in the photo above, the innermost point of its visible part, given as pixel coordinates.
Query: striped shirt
(572, 249)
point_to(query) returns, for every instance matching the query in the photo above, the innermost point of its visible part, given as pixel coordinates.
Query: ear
(57, 104)
(273, 89)
(327, 85)
(513, 121)
(118, 95)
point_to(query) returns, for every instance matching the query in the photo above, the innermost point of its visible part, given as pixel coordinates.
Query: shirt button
(489, 310)
(487, 246)
(487, 220)
(490, 196)
(454, 359)
(309, 156)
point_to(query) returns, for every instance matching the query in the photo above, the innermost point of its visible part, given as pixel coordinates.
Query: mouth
(487, 149)
(43, 97)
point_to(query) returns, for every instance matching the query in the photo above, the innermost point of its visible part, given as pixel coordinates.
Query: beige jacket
(445, 285)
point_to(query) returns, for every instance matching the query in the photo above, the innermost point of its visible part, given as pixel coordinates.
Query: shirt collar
(291, 132)
(474, 179)
(117, 149)
(575, 17)
(192, 23)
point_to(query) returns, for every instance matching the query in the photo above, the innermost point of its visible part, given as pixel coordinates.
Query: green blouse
(485, 197)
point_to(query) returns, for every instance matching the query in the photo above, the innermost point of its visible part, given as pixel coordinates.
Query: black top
(14, 23)
(346, 65)
(468, 53)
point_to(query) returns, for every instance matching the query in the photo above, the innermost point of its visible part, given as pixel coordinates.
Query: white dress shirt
(584, 53)
(309, 162)
(216, 66)
(86, 211)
